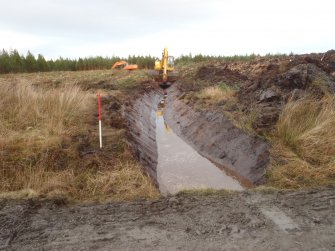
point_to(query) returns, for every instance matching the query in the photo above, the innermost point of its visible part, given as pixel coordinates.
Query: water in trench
(180, 167)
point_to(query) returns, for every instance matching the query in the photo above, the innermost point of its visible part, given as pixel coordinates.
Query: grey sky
(76, 28)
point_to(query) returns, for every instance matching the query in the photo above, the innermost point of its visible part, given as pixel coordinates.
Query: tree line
(185, 59)
(13, 62)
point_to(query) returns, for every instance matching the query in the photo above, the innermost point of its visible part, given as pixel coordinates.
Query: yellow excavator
(164, 71)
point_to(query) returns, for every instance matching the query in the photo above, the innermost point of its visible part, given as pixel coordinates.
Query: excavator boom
(124, 65)
(164, 70)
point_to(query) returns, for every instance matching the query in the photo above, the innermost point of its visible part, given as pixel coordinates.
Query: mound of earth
(266, 84)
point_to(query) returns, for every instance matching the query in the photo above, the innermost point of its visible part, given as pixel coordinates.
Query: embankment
(140, 116)
(216, 138)
(211, 134)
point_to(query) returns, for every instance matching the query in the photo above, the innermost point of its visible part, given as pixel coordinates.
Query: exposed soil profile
(140, 116)
(212, 135)
(180, 167)
(215, 137)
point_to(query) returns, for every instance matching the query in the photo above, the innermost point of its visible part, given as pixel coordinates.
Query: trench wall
(140, 118)
(210, 133)
(216, 138)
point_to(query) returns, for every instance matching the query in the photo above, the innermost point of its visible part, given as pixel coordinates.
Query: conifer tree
(41, 63)
(4, 62)
(16, 62)
(30, 63)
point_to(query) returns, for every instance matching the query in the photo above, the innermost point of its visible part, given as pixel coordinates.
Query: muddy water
(181, 167)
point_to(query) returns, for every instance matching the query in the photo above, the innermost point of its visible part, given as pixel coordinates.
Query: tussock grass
(44, 128)
(242, 119)
(290, 171)
(216, 94)
(34, 125)
(25, 108)
(125, 181)
(305, 144)
(308, 127)
(22, 194)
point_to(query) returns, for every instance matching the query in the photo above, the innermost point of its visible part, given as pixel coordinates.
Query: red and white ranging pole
(99, 112)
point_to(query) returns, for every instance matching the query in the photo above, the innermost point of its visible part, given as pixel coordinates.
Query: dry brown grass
(124, 181)
(25, 109)
(305, 144)
(215, 94)
(290, 171)
(43, 128)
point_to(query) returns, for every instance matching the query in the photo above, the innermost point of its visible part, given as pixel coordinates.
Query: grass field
(48, 124)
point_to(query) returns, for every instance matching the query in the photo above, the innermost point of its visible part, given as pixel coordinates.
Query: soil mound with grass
(286, 100)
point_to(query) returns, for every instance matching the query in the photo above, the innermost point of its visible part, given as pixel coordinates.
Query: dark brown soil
(266, 84)
(215, 137)
(302, 220)
(140, 117)
(210, 133)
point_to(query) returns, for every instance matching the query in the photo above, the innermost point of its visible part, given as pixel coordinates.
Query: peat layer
(211, 134)
(215, 137)
(230, 132)
(141, 123)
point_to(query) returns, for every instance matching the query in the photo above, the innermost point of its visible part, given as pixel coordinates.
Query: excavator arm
(165, 57)
(165, 68)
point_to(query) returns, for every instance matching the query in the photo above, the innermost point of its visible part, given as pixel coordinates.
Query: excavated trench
(181, 148)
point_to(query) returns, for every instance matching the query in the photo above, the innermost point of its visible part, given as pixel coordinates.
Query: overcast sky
(79, 28)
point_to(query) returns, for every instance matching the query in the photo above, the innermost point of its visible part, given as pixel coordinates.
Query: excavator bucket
(172, 76)
(164, 72)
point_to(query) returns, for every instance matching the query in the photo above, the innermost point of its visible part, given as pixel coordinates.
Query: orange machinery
(124, 65)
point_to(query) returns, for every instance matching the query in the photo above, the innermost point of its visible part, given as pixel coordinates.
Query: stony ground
(300, 220)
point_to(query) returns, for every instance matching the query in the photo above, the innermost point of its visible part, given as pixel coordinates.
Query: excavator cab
(170, 63)
(164, 70)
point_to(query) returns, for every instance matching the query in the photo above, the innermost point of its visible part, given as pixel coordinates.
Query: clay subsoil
(302, 220)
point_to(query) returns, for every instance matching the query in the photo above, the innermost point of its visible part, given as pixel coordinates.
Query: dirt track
(241, 221)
